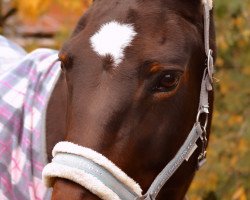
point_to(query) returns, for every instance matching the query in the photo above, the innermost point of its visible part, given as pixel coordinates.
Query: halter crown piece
(104, 179)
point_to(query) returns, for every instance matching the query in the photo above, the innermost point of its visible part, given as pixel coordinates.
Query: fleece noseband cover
(91, 170)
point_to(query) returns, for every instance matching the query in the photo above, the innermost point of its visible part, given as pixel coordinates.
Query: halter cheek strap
(103, 178)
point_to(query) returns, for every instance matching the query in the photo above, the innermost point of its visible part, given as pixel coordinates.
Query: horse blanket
(26, 83)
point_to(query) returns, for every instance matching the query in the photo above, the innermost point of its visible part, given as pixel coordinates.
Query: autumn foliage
(227, 173)
(35, 8)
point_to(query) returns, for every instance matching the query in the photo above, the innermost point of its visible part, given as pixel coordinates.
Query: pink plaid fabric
(25, 87)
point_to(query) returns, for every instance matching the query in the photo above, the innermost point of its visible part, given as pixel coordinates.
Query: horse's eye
(168, 81)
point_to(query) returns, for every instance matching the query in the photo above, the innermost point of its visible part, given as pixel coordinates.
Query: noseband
(103, 178)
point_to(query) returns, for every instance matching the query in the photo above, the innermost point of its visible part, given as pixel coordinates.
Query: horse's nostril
(67, 190)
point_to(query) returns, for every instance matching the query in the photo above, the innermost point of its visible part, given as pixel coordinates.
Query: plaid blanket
(26, 83)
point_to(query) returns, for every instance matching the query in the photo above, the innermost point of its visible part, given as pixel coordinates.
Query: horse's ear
(201, 3)
(197, 5)
(192, 9)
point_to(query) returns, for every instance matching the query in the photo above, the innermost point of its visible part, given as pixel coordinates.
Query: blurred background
(226, 176)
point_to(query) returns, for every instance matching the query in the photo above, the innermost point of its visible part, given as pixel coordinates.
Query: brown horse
(136, 107)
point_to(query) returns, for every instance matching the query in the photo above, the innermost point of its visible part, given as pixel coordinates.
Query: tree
(227, 173)
(5, 16)
(33, 9)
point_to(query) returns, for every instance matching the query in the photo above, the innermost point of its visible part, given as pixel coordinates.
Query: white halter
(103, 178)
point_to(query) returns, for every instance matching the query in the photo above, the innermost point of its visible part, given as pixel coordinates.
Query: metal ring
(198, 118)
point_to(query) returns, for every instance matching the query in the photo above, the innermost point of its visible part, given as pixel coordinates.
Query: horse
(133, 72)
(132, 101)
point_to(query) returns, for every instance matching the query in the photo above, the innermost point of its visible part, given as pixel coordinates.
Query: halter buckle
(210, 65)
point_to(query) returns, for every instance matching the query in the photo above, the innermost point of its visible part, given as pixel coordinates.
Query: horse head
(133, 71)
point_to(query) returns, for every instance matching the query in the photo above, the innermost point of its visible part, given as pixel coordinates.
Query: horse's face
(133, 71)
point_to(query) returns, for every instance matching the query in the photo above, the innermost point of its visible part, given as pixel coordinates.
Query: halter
(103, 178)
